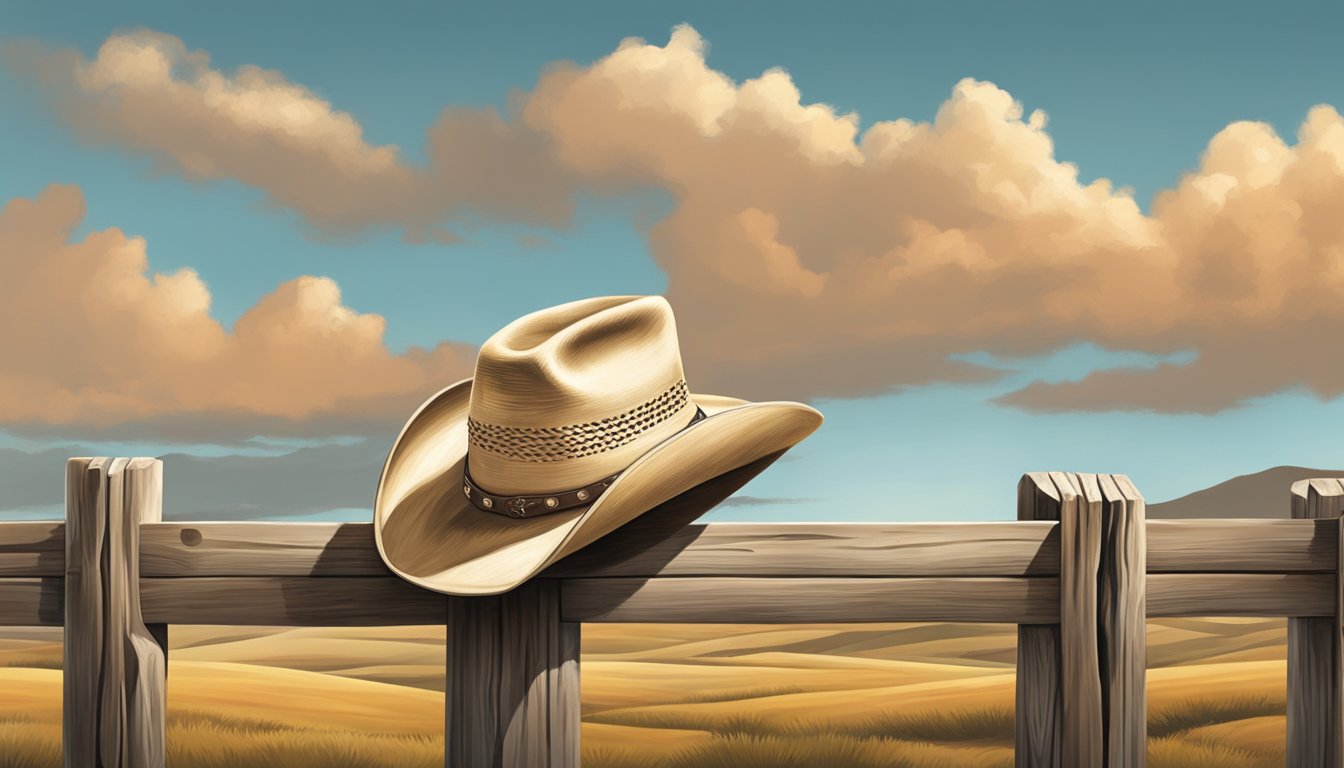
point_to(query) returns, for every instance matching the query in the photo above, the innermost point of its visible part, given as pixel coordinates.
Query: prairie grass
(1174, 752)
(971, 724)
(26, 742)
(622, 757)
(723, 712)
(36, 662)
(809, 751)
(823, 749)
(205, 740)
(198, 739)
(1191, 713)
(741, 694)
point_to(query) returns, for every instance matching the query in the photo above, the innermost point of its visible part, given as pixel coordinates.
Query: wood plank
(1313, 705)
(472, 685)
(85, 532)
(1266, 595)
(29, 602)
(1337, 645)
(1034, 600)
(1039, 700)
(112, 717)
(834, 549)
(1079, 560)
(1245, 546)
(134, 724)
(259, 549)
(289, 601)
(718, 549)
(505, 653)
(565, 695)
(1122, 621)
(32, 548)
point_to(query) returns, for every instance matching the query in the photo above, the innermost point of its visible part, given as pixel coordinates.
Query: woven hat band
(573, 441)
(541, 504)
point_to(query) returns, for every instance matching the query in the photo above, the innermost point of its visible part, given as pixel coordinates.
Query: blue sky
(1134, 94)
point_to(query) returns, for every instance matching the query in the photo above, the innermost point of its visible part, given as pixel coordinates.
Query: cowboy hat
(578, 420)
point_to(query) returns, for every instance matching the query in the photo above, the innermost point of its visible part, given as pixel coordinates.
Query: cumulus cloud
(148, 92)
(807, 257)
(89, 338)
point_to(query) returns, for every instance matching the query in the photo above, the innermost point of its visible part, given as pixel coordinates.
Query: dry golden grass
(1255, 734)
(27, 742)
(208, 740)
(667, 696)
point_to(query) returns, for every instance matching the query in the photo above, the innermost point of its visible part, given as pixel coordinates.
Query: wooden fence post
(1039, 705)
(114, 686)
(1080, 676)
(1314, 685)
(1122, 617)
(513, 681)
(1081, 697)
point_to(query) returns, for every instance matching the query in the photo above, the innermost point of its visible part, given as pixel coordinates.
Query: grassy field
(667, 696)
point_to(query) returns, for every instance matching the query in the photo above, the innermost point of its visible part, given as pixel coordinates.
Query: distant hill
(1262, 494)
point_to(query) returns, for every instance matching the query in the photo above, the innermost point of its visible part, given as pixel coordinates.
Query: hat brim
(429, 533)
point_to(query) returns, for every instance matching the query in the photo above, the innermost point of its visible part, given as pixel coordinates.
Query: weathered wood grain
(1241, 546)
(718, 549)
(1079, 561)
(1314, 704)
(112, 715)
(289, 601)
(471, 699)
(1122, 620)
(1039, 699)
(134, 724)
(259, 549)
(1337, 645)
(29, 602)
(299, 601)
(32, 548)
(1034, 600)
(512, 693)
(836, 549)
(85, 533)
(564, 693)
(1241, 594)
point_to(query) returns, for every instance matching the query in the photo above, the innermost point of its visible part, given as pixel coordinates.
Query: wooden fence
(1078, 572)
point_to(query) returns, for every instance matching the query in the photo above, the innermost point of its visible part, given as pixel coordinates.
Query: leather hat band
(532, 506)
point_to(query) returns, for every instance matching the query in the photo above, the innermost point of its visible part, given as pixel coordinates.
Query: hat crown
(567, 395)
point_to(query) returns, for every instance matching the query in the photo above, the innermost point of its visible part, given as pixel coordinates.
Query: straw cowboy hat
(578, 420)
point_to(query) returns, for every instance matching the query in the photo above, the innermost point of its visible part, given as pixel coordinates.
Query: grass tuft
(26, 743)
(1188, 714)
(746, 751)
(741, 694)
(39, 662)
(1173, 752)
(977, 724)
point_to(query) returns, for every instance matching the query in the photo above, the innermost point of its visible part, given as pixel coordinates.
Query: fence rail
(1078, 572)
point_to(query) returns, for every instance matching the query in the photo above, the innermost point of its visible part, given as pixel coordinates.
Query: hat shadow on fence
(656, 537)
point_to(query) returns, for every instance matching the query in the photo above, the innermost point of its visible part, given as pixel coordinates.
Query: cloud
(808, 257)
(147, 92)
(763, 501)
(335, 477)
(229, 487)
(90, 340)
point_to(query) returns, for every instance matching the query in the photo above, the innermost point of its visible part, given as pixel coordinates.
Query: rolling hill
(1261, 494)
